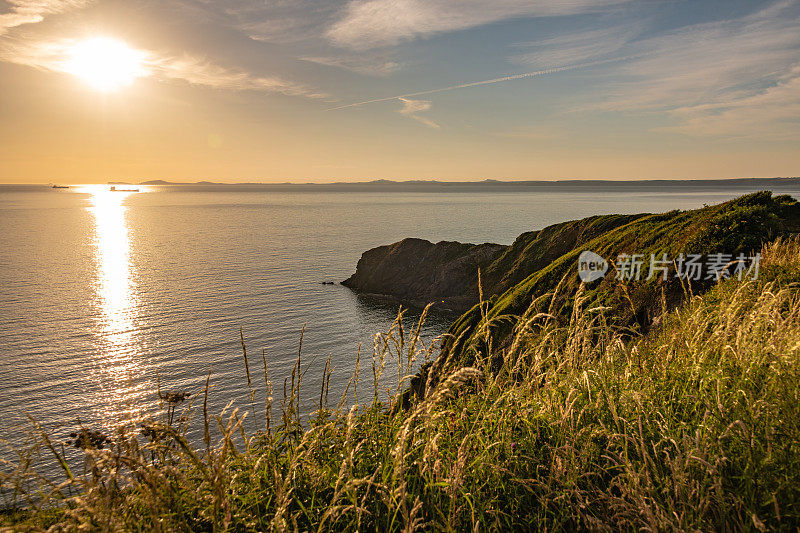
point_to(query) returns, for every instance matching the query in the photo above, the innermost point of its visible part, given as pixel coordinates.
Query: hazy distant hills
(510, 186)
(163, 182)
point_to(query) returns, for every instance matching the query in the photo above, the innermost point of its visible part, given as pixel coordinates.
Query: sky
(355, 90)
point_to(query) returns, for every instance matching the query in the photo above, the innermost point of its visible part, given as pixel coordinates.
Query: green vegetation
(540, 261)
(572, 420)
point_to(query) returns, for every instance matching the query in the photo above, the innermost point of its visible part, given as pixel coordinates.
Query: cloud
(734, 77)
(727, 78)
(492, 81)
(577, 47)
(298, 26)
(39, 48)
(276, 21)
(33, 11)
(54, 56)
(772, 113)
(370, 66)
(198, 71)
(412, 108)
(710, 62)
(370, 23)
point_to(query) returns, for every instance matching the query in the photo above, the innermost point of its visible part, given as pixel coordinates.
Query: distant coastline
(491, 185)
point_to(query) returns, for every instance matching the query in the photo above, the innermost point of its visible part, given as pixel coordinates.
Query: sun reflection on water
(119, 363)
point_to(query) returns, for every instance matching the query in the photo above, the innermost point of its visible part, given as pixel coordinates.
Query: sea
(107, 298)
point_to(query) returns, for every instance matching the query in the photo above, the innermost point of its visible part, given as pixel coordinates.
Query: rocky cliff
(540, 268)
(419, 272)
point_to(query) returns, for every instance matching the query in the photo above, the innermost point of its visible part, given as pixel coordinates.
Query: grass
(548, 259)
(575, 424)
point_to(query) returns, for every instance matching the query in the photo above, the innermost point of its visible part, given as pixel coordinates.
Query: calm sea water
(104, 294)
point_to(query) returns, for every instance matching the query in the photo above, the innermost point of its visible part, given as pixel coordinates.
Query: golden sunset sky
(353, 90)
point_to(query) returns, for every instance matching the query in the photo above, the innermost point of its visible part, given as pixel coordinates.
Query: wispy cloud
(370, 23)
(46, 47)
(732, 77)
(769, 114)
(370, 66)
(277, 21)
(199, 71)
(413, 108)
(299, 26)
(711, 62)
(502, 79)
(735, 77)
(32, 11)
(54, 56)
(578, 47)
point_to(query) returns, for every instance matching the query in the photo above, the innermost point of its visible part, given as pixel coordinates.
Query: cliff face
(419, 272)
(541, 267)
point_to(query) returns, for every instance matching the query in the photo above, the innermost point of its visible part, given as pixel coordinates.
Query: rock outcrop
(419, 272)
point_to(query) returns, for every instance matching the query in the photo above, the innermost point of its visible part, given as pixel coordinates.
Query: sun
(105, 64)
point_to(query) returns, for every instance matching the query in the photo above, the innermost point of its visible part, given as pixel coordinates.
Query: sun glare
(105, 64)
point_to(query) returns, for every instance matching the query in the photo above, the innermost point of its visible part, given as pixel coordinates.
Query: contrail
(487, 82)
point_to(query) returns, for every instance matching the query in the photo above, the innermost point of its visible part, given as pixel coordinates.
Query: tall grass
(572, 425)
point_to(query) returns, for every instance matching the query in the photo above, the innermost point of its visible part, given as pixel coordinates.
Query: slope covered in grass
(740, 226)
(417, 272)
(583, 425)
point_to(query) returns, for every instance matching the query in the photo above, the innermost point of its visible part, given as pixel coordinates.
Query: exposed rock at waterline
(419, 272)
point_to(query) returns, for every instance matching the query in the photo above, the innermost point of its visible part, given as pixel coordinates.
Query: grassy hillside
(739, 226)
(535, 250)
(416, 272)
(572, 422)
(694, 426)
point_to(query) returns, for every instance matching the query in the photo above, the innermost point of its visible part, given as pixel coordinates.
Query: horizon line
(383, 181)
